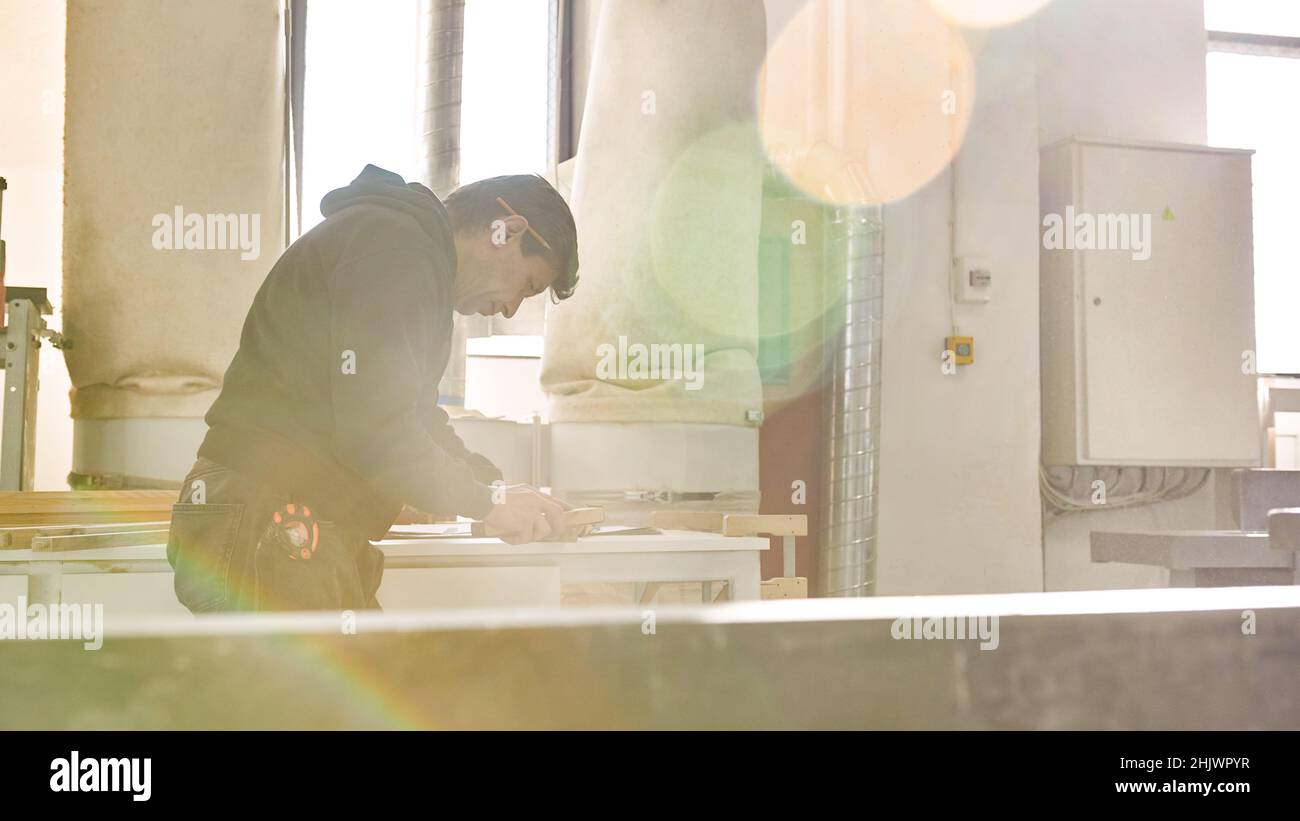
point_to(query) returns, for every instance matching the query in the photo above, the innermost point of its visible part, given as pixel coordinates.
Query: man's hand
(526, 515)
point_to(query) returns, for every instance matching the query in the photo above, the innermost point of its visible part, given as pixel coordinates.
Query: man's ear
(505, 229)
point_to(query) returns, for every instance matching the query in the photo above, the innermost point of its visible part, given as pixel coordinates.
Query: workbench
(643, 559)
(1090, 660)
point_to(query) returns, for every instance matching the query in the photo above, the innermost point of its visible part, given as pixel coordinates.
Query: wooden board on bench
(22, 509)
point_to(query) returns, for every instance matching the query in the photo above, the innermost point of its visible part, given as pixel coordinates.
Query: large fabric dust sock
(173, 214)
(667, 199)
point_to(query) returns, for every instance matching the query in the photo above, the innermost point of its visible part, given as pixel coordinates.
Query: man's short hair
(474, 207)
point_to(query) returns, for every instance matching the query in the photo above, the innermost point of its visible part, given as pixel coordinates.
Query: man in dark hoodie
(328, 423)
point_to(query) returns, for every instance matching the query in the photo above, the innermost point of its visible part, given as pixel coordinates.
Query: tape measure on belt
(296, 530)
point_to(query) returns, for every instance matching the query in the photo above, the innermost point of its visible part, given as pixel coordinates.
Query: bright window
(1251, 102)
(504, 96)
(359, 104)
(1277, 17)
(362, 105)
(362, 86)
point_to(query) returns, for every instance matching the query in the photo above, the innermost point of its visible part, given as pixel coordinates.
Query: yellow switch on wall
(962, 347)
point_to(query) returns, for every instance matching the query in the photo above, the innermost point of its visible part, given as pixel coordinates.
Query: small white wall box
(1146, 305)
(972, 280)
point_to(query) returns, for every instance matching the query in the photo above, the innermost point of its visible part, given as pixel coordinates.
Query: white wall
(959, 500)
(31, 159)
(959, 505)
(1117, 68)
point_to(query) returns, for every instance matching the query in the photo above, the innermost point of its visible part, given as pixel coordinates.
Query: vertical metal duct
(442, 51)
(559, 84)
(855, 256)
(295, 86)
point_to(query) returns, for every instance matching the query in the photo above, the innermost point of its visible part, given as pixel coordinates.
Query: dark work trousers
(230, 554)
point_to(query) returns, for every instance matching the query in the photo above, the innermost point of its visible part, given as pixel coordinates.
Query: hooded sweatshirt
(332, 395)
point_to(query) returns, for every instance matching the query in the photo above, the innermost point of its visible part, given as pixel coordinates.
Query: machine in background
(24, 315)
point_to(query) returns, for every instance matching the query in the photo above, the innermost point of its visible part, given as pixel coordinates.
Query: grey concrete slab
(1231, 577)
(1284, 528)
(1259, 490)
(1148, 659)
(1190, 549)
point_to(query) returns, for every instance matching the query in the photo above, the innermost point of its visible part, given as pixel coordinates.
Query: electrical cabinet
(1146, 320)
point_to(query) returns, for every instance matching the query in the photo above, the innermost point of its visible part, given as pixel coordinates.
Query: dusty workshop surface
(1115, 659)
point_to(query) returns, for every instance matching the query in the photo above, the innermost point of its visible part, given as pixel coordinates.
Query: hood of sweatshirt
(378, 186)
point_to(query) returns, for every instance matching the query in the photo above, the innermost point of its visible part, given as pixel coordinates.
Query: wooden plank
(785, 588)
(112, 517)
(767, 524)
(83, 501)
(84, 507)
(413, 516)
(20, 538)
(732, 524)
(706, 520)
(91, 541)
(584, 516)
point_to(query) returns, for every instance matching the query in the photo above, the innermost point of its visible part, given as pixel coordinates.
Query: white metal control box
(1146, 305)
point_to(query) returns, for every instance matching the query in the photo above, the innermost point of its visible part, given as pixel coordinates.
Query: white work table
(643, 559)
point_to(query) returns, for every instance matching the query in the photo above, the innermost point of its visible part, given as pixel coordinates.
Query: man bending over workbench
(328, 423)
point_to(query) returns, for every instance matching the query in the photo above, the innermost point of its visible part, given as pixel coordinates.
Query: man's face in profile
(493, 275)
